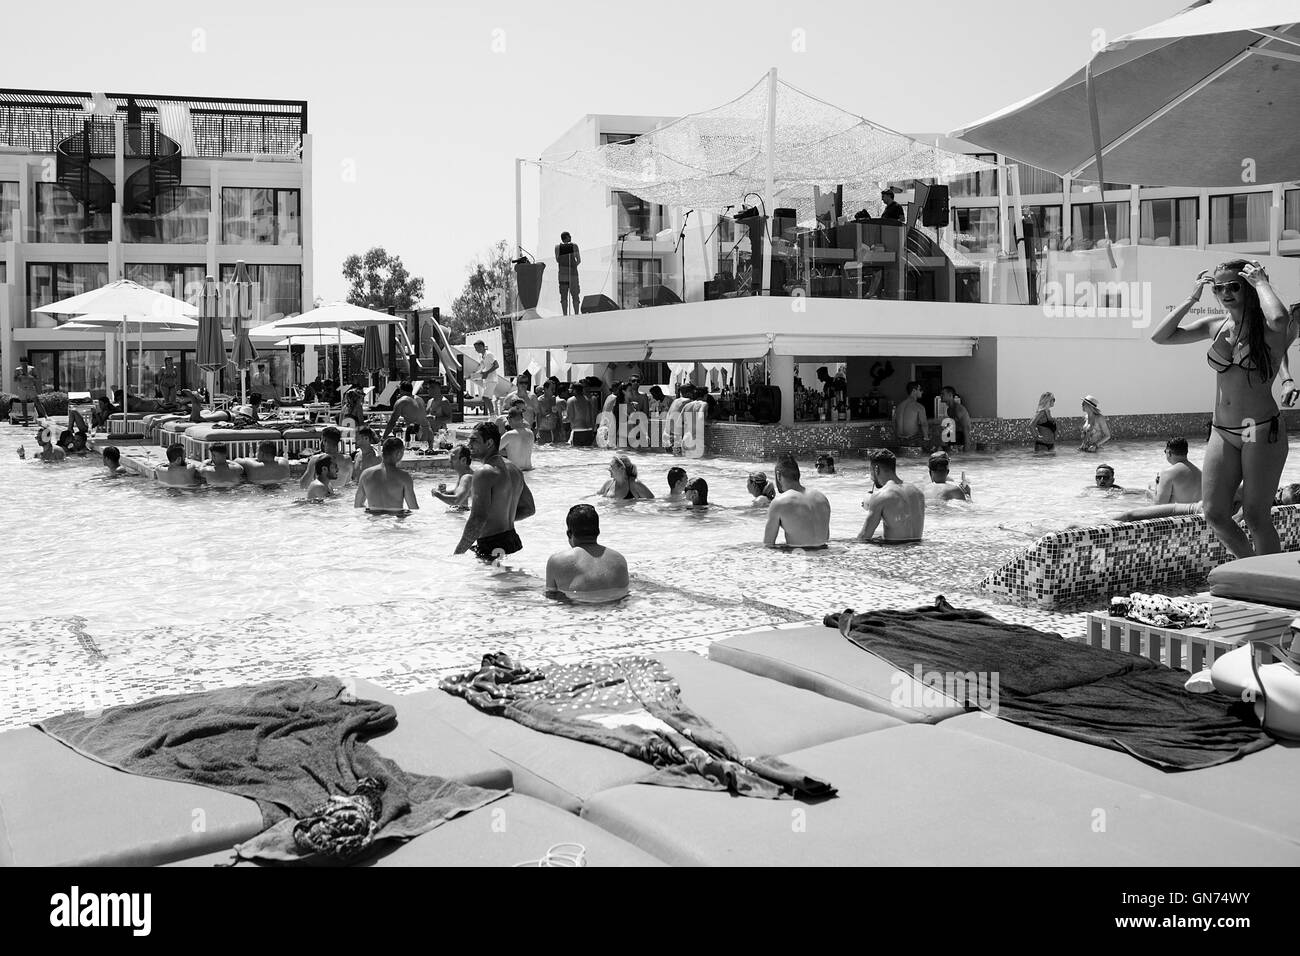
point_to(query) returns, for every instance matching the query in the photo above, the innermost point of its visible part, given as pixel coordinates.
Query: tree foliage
(489, 289)
(377, 280)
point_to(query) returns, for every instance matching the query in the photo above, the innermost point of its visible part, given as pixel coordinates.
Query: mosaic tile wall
(1067, 568)
(764, 442)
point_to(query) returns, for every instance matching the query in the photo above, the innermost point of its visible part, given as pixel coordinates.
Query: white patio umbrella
(338, 315)
(319, 337)
(117, 303)
(1209, 97)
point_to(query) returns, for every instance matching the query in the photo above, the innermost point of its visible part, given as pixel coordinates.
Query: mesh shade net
(711, 159)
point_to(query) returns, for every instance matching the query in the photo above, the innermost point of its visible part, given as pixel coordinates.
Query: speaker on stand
(598, 303)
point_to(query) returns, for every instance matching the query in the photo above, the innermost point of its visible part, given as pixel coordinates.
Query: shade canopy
(713, 158)
(121, 298)
(108, 321)
(321, 337)
(1207, 98)
(338, 315)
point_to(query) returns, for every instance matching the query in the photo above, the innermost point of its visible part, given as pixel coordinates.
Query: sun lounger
(817, 658)
(59, 808)
(760, 716)
(243, 442)
(920, 795)
(1266, 579)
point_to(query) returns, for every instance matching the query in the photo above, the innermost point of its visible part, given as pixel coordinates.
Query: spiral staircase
(160, 172)
(74, 172)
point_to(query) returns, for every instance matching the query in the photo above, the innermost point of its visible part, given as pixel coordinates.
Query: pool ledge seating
(1068, 568)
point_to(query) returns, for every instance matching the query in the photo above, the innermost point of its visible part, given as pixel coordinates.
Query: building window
(976, 228)
(1047, 226)
(640, 279)
(69, 370)
(607, 138)
(178, 281)
(1239, 218)
(1087, 227)
(638, 219)
(1169, 222)
(60, 217)
(278, 288)
(1035, 181)
(8, 206)
(981, 185)
(260, 216)
(1291, 214)
(51, 281)
(181, 216)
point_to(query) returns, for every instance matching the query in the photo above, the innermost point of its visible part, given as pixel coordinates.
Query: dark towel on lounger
(632, 705)
(290, 745)
(1111, 699)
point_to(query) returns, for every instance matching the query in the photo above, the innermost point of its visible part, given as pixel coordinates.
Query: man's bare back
(386, 487)
(804, 515)
(901, 507)
(1179, 484)
(910, 420)
(499, 497)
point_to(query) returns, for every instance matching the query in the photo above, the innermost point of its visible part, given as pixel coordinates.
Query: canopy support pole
(769, 186)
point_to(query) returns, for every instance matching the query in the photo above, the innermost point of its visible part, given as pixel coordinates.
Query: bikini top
(630, 495)
(1240, 355)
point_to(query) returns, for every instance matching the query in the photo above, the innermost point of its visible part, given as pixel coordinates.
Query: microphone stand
(621, 239)
(681, 247)
(715, 228)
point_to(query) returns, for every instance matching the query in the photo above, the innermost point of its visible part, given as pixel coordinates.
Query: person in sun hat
(1096, 431)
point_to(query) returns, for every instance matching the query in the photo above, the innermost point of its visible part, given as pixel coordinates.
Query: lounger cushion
(211, 433)
(58, 807)
(1266, 579)
(513, 830)
(821, 660)
(918, 795)
(760, 716)
(1258, 790)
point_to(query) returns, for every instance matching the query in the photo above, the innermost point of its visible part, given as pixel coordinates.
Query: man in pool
(586, 571)
(331, 440)
(517, 443)
(413, 412)
(385, 488)
(1180, 483)
(1105, 479)
(365, 456)
(677, 481)
(803, 514)
(582, 427)
(696, 493)
(324, 472)
(761, 489)
(458, 497)
(940, 486)
(49, 452)
(960, 415)
(910, 424)
(825, 464)
(266, 468)
(900, 507)
(179, 473)
(220, 472)
(499, 497)
(112, 457)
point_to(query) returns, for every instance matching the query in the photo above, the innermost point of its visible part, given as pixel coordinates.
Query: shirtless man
(49, 452)
(386, 488)
(804, 514)
(548, 419)
(901, 507)
(524, 393)
(220, 472)
(331, 440)
(324, 472)
(940, 487)
(407, 407)
(179, 473)
(499, 498)
(266, 468)
(581, 419)
(366, 456)
(112, 457)
(672, 434)
(517, 443)
(587, 571)
(1180, 483)
(436, 408)
(458, 498)
(677, 481)
(960, 416)
(910, 423)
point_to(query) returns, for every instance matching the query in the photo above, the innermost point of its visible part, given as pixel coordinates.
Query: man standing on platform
(489, 373)
(892, 209)
(568, 258)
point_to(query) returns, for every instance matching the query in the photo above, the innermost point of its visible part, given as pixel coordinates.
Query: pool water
(115, 590)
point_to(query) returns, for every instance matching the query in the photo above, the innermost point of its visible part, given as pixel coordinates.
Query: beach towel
(632, 705)
(1158, 610)
(1110, 699)
(297, 747)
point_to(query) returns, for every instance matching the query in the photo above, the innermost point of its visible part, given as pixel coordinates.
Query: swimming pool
(117, 590)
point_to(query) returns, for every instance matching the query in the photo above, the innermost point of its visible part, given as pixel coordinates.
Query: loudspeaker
(666, 296)
(598, 303)
(935, 210)
(767, 404)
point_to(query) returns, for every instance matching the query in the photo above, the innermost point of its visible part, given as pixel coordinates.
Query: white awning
(723, 349)
(934, 346)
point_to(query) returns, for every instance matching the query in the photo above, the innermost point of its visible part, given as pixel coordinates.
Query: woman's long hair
(1255, 327)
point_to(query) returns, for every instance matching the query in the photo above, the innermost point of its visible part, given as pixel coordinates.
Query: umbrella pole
(126, 383)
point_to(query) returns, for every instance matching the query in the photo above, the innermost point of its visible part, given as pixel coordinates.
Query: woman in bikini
(1096, 430)
(622, 484)
(1044, 424)
(1247, 447)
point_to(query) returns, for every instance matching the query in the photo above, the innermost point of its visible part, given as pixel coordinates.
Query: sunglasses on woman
(1220, 287)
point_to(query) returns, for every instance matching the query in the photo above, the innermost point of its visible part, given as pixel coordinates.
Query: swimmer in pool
(325, 472)
(266, 468)
(499, 497)
(677, 483)
(1105, 481)
(762, 490)
(458, 497)
(387, 488)
(366, 456)
(220, 472)
(940, 487)
(696, 493)
(49, 452)
(900, 507)
(179, 473)
(112, 457)
(1180, 483)
(623, 484)
(803, 514)
(825, 464)
(586, 571)
(331, 440)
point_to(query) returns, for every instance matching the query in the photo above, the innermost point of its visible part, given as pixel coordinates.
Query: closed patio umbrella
(372, 351)
(211, 347)
(244, 353)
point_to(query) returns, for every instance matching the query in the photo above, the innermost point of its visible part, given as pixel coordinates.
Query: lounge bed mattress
(1266, 579)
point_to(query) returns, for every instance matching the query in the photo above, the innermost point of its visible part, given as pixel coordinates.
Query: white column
(119, 157)
(782, 370)
(769, 188)
(1275, 220)
(214, 221)
(1006, 234)
(305, 238)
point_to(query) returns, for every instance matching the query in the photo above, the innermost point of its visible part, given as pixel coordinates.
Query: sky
(418, 110)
